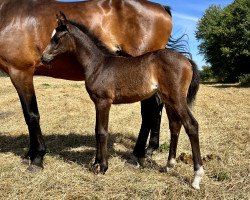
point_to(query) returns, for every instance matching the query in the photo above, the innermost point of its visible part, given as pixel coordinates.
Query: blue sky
(185, 16)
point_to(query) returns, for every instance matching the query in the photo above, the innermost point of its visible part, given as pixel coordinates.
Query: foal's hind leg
(175, 127)
(23, 82)
(191, 127)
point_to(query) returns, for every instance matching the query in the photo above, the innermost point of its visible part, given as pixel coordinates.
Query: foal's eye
(58, 36)
(56, 39)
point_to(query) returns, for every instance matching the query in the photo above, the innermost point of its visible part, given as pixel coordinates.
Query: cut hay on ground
(67, 121)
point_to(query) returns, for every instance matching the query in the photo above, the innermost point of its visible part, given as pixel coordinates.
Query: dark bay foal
(111, 79)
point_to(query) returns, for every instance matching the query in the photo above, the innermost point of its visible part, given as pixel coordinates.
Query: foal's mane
(93, 37)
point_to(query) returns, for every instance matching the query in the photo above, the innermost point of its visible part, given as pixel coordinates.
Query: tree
(206, 74)
(225, 39)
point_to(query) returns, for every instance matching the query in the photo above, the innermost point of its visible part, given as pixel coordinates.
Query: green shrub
(245, 80)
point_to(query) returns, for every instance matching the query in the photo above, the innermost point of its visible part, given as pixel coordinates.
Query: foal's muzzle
(46, 59)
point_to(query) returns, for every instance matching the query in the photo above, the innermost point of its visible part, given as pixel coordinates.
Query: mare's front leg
(23, 82)
(101, 133)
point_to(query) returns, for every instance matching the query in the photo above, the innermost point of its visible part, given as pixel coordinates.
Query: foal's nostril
(45, 60)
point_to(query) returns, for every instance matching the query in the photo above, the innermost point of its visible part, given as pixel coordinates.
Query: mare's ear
(61, 19)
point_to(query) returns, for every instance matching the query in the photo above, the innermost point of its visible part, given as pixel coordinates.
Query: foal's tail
(194, 85)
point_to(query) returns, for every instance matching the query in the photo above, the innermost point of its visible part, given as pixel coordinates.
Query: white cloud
(185, 17)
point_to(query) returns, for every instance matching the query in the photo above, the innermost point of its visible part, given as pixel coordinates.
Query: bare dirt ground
(67, 122)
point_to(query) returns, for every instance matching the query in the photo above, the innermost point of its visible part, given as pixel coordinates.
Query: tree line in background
(225, 42)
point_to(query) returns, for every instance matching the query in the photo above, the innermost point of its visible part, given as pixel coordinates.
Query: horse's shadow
(61, 145)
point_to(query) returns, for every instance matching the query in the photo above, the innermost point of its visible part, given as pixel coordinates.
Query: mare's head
(62, 41)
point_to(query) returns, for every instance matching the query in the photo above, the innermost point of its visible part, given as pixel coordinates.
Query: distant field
(67, 122)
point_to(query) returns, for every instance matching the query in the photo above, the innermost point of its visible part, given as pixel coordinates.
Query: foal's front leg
(101, 132)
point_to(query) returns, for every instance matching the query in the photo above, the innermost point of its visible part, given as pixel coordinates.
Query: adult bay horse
(111, 79)
(127, 27)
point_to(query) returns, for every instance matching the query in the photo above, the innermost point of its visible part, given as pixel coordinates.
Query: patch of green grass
(146, 193)
(164, 147)
(221, 176)
(77, 85)
(46, 85)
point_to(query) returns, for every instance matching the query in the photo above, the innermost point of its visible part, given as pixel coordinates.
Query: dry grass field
(67, 121)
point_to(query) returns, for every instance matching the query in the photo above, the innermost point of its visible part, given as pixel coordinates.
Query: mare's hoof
(25, 160)
(163, 169)
(136, 162)
(149, 151)
(34, 168)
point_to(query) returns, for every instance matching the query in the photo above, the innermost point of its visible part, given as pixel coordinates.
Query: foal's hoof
(197, 178)
(99, 169)
(95, 168)
(34, 168)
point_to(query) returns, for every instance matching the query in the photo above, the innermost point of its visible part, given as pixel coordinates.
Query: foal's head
(62, 41)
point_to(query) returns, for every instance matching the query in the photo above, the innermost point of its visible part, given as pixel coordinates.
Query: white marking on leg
(53, 33)
(171, 163)
(197, 178)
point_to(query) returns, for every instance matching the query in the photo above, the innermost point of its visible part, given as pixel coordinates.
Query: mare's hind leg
(191, 127)
(175, 127)
(156, 109)
(151, 118)
(23, 82)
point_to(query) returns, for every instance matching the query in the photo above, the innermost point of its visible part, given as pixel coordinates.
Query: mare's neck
(87, 53)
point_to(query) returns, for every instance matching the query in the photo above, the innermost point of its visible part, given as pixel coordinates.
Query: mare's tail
(194, 85)
(168, 10)
(181, 45)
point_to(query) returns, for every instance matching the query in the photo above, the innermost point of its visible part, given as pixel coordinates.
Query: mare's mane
(93, 37)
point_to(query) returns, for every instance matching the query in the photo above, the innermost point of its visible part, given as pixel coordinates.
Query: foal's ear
(61, 19)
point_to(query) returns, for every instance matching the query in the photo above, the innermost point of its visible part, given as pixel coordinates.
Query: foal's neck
(87, 53)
